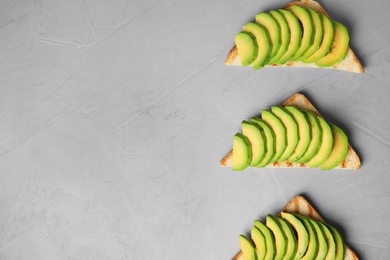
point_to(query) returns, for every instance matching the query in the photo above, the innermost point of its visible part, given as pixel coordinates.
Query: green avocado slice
(312, 247)
(269, 239)
(260, 243)
(326, 145)
(340, 247)
(318, 34)
(247, 248)
(257, 141)
(304, 133)
(339, 47)
(279, 130)
(295, 36)
(326, 41)
(302, 234)
(247, 47)
(331, 254)
(263, 43)
(307, 24)
(291, 131)
(266, 20)
(322, 244)
(316, 135)
(280, 237)
(241, 152)
(270, 142)
(284, 33)
(292, 243)
(339, 149)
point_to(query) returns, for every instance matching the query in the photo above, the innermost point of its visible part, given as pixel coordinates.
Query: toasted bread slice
(352, 161)
(299, 205)
(350, 63)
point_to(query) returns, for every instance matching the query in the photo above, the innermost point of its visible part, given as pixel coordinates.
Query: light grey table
(114, 116)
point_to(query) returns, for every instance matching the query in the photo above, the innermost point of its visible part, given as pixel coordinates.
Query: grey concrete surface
(114, 116)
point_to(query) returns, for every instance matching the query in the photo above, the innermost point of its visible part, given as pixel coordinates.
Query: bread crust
(350, 63)
(352, 160)
(299, 205)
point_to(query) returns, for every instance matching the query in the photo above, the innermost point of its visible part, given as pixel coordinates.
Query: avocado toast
(300, 43)
(300, 102)
(299, 215)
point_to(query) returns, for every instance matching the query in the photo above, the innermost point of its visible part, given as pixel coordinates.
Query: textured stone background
(114, 116)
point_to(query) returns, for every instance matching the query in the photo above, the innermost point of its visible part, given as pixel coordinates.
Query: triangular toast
(299, 101)
(350, 63)
(299, 205)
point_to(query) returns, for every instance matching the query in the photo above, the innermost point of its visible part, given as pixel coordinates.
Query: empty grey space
(114, 116)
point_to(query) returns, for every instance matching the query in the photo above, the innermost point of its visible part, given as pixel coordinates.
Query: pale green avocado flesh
(241, 152)
(307, 24)
(331, 253)
(316, 135)
(287, 134)
(257, 141)
(280, 237)
(295, 36)
(280, 132)
(291, 131)
(266, 20)
(302, 234)
(339, 149)
(339, 47)
(261, 36)
(247, 248)
(291, 238)
(304, 133)
(269, 239)
(270, 142)
(285, 35)
(326, 41)
(318, 32)
(259, 242)
(247, 48)
(326, 145)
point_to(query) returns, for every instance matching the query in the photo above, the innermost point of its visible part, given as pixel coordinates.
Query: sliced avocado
(266, 20)
(327, 40)
(331, 254)
(339, 47)
(340, 247)
(339, 149)
(284, 35)
(307, 24)
(312, 247)
(316, 136)
(260, 243)
(302, 234)
(292, 243)
(247, 248)
(326, 145)
(263, 43)
(270, 141)
(279, 130)
(247, 47)
(291, 131)
(304, 132)
(280, 237)
(269, 239)
(322, 244)
(318, 34)
(295, 36)
(256, 138)
(241, 152)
